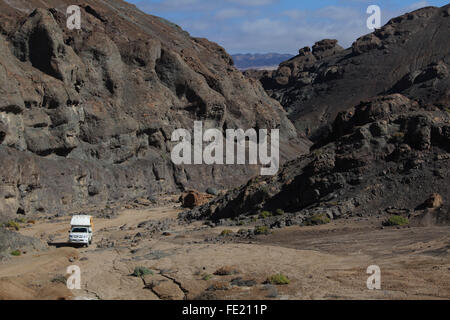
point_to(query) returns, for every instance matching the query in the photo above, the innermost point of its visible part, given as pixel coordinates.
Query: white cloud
(339, 13)
(230, 13)
(169, 6)
(264, 27)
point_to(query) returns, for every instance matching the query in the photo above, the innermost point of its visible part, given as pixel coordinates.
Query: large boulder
(379, 157)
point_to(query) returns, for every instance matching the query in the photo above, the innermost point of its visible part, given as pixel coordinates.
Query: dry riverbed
(193, 261)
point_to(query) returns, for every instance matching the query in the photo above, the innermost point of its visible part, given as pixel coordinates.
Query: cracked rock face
(385, 153)
(86, 115)
(11, 241)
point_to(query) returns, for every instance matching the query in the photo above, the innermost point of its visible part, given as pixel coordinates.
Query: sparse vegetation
(265, 214)
(15, 253)
(261, 230)
(278, 279)
(207, 276)
(318, 152)
(12, 224)
(141, 271)
(264, 190)
(226, 232)
(396, 221)
(318, 219)
(279, 212)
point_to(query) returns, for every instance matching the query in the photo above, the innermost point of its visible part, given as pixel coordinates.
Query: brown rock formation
(409, 55)
(86, 115)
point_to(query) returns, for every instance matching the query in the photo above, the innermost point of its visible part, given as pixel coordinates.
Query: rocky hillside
(11, 241)
(386, 155)
(86, 116)
(409, 55)
(379, 114)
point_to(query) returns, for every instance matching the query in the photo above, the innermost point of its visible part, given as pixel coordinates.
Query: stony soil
(86, 128)
(321, 262)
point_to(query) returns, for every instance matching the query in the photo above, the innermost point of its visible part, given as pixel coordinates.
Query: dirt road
(322, 262)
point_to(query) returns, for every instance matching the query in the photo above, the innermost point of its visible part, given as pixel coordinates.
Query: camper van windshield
(79, 230)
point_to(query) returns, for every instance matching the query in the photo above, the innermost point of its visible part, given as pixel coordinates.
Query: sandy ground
(322, 262)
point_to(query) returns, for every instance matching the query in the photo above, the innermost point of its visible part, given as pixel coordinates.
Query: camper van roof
(81, 220)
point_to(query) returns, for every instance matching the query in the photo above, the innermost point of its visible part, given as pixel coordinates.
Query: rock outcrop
(387, 154)
(86, 115)
(434, 201)
(409, 55)
(379, 116)
(192, 199)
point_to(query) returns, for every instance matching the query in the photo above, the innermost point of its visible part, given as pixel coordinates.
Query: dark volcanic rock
(381, 154)
(86, 116)
(409, 55)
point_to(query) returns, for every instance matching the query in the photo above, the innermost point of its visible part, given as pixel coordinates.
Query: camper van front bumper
(78, 240)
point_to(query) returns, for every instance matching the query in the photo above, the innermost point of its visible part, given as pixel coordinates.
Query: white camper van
(81, 231)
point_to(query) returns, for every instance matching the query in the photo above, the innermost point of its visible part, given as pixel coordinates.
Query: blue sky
(284, 26)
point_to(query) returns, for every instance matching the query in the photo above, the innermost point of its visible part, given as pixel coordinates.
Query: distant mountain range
(259, 60)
